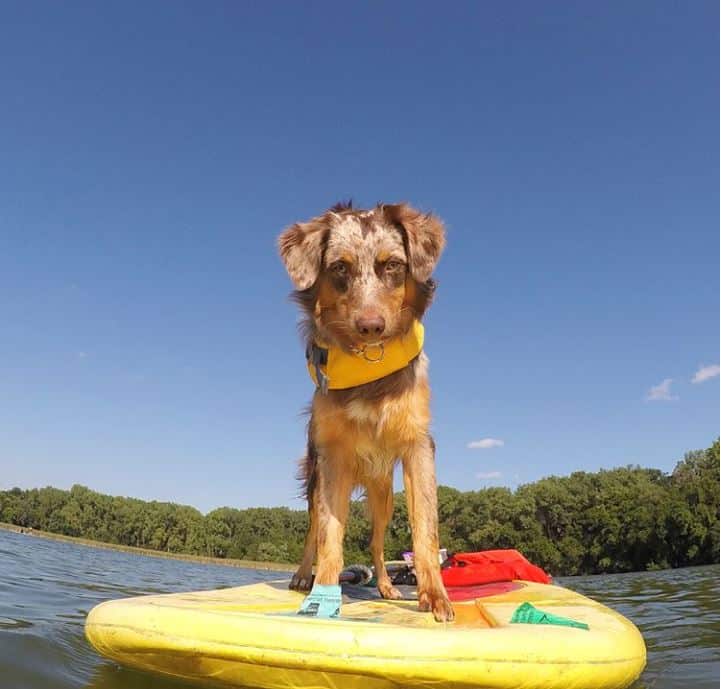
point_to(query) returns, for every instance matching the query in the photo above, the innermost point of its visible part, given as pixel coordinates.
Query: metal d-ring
(379, 348)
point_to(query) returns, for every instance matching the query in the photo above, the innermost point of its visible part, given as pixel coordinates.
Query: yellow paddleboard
(250, 636)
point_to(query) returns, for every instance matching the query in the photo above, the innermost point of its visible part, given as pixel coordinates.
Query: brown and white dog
(363, 280)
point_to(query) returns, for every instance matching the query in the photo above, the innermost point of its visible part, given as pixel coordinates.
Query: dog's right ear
(301, 248)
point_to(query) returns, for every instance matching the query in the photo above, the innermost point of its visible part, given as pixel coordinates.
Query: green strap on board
(527, 614)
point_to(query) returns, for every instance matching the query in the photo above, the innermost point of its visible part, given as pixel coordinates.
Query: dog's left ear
(301, 248)
(425, 237)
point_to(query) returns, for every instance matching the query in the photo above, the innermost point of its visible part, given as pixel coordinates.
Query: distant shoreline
(227, 562)
(586, 523)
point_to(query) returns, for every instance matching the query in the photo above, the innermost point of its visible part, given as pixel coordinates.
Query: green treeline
(620, 520)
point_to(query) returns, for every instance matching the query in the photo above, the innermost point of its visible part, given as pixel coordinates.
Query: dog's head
(363, 275)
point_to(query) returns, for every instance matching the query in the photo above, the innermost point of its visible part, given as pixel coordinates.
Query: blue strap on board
(322, 601)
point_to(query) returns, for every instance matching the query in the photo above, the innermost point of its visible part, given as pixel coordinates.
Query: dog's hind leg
(380, 506)
(303, 578)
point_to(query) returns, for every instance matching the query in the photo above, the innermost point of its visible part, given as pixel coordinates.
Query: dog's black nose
(372, 324)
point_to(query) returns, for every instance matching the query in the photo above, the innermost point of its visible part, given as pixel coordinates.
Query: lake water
(47, 588)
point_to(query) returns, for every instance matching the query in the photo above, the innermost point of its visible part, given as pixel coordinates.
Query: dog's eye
(393, 266)
(339, 268)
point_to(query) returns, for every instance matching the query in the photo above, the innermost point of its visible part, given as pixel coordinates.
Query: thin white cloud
(661, 392)
(489, 475)
(706, 373)
(82, 355)
(485, 444)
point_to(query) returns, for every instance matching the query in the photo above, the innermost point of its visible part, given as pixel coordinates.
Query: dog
(363, 281)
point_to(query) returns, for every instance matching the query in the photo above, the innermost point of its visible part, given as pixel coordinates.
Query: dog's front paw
(301, 581)
(322, 601)
(438, 603)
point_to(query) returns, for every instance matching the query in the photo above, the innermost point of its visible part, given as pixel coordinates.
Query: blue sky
(152, 152)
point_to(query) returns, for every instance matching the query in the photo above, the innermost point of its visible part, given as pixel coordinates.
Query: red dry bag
(489, 566)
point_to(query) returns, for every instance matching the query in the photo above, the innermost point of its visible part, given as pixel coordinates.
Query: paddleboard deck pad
(252, 636)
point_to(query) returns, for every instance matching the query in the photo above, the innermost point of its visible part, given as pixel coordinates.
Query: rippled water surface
(47, 588)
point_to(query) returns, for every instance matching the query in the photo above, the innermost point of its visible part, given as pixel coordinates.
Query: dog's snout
(370, 324)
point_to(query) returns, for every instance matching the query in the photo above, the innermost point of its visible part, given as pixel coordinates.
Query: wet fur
(357, 435)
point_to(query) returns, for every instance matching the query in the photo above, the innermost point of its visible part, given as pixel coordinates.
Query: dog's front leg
(335, 484)
(419, 476)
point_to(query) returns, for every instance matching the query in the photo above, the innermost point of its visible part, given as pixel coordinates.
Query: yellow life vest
(333, 368)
